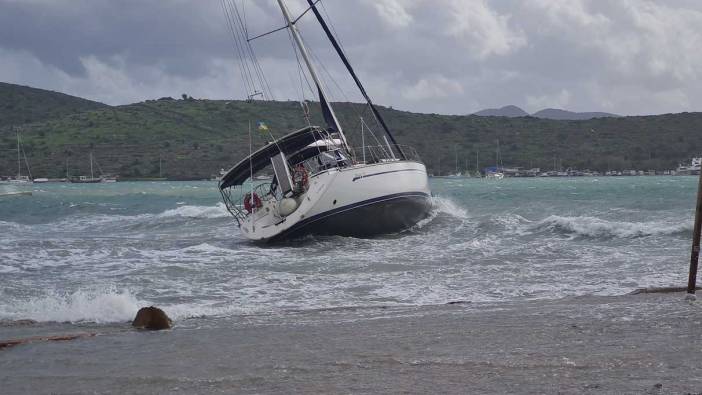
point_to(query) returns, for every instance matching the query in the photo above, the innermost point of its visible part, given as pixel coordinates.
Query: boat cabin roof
(289, 145)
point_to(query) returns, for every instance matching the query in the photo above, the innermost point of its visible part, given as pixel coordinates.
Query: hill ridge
(195, 138)
(21, 104)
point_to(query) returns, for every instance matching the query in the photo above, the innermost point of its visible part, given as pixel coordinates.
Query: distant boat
(495, 173)
(85, 179)
(456, 174)
(222, 172)
(19, 178)
(692, 169)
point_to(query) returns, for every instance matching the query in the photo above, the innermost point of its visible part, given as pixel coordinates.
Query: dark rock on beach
(152, 318)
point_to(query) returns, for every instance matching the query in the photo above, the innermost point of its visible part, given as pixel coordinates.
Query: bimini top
(288, 145)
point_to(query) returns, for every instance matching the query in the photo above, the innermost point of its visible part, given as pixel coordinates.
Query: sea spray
(85, 305)
(447, 206)
(440, 206)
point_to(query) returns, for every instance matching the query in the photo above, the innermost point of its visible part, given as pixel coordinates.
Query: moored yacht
(19, 178)
(92, 179)
(692, 169)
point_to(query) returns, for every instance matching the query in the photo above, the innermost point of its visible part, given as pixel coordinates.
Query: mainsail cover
(334, 43)
(326, 113)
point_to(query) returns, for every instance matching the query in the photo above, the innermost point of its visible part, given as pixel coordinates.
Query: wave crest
(600, 228)
(99, 306)
(217, 211)
(448, 206)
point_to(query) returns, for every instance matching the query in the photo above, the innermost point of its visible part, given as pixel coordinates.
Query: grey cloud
(448, 56)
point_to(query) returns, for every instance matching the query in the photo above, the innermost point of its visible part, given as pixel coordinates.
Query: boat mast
(19, 158)
(91, 164)
(497, 157)
(313, 72)
(456, 152)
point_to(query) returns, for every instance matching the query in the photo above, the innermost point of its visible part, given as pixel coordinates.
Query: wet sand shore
(648, 343)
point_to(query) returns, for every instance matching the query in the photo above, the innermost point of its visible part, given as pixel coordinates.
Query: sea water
(95, 253)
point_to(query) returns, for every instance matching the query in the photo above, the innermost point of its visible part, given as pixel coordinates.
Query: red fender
(300, 175)
(249, 205)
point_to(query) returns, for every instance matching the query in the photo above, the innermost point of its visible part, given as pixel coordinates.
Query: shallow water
(97, 252)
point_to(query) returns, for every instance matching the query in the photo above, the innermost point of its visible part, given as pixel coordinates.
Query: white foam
(217, 211)
(596, 227)
(209, 249)
(509, 221)
(448, 206)
(100, 306)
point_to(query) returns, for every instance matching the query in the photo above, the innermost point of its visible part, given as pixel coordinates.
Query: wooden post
(695, 254)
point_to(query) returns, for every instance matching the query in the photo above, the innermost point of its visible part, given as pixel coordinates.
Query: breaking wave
(217, 211)
(448, 206)
(441, 206)
(599, 228)
(99, 306)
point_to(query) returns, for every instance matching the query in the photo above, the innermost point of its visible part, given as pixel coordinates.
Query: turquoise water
(97, 252)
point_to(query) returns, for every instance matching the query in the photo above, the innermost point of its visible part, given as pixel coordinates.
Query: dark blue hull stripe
(395, 196)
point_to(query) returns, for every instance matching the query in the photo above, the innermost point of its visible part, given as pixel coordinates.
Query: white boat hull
(360, 200)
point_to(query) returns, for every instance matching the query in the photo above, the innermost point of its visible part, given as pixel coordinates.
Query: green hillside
(22, 104)
(195, 138)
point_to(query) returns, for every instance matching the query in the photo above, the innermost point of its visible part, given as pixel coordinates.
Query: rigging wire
(253, 76)
(301, 70)
(343, 93)
(26, 162)
(237, 50)
(331, 78)
(329, 22)
(254, 80)
(257, 66)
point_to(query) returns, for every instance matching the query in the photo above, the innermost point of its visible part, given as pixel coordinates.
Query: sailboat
(85, 179)
(457, 173)
(321, 185)
(495, 173)
(19, 178)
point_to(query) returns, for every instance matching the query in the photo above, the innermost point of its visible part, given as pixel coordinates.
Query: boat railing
(338, 159)
(234, 197)
(323, 161)
(383, 153)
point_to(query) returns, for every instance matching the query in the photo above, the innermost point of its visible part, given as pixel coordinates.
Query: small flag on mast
(261, 126)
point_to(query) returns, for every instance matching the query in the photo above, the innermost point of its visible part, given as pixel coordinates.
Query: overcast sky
(446, 56)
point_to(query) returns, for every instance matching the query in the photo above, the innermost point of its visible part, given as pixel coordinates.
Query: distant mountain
(564, 115)
(22, 104)
(506, 111)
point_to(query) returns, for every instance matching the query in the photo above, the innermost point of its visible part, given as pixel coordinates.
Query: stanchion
(695, 254)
